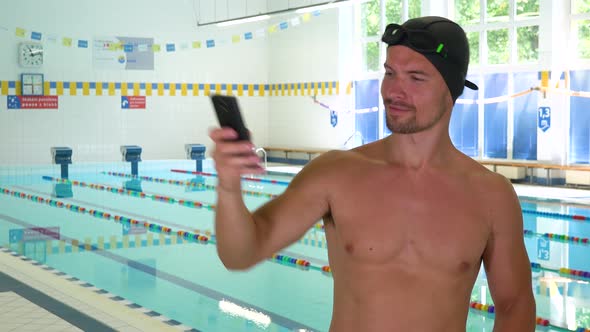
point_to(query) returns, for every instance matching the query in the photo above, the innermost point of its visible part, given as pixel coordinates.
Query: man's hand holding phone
(234, 154)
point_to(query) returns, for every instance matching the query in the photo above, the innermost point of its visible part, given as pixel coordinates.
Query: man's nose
(393, 88)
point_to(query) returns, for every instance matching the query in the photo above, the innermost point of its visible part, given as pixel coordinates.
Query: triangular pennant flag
(260, 33)
(67, 42)
(235, 39)
(306, 17)
(36, 35)
(196, 44)
(20, 32)
(295, 21)
(156, 48)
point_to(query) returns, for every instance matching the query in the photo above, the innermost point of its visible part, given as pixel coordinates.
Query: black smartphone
(229, 115)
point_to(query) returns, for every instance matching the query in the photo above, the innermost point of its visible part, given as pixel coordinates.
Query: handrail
(265, 158)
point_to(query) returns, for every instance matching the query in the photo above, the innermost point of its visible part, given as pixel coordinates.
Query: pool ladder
(264, 153)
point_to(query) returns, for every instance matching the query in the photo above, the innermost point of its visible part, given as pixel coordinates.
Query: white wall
(311, 53)
(95, 126)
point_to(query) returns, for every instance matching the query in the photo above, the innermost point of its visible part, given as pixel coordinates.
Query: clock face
(30, 54)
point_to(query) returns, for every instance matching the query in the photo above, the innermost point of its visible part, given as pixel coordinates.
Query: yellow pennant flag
(306, 17)
(235, 39)
(272, 28)
(156, 48)
(67, 42)
(20, 32)
(196, 44)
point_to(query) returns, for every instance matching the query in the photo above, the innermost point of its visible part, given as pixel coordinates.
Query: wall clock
(30, 54)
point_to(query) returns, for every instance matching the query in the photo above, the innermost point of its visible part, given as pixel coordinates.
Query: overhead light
(333, 4)
(248, 19)
(316, 8)
(298, 10)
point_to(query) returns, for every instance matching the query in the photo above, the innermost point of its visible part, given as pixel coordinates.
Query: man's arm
(245, 238)
(506, 262)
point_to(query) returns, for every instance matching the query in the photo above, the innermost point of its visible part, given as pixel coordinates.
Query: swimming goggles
(420, 40)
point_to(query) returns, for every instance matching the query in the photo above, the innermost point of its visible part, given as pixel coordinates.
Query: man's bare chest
(439, 227)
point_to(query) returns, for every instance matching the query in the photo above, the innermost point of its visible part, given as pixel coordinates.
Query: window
(525, 117)
(503, 35)
(527, 44)
(370, 30)
(374, 16)
(497, 43)
(581, 27)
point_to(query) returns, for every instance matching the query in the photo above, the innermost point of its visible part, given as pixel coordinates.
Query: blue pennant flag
(36, 35)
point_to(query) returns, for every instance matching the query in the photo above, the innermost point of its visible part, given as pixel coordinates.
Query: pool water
(184, 279)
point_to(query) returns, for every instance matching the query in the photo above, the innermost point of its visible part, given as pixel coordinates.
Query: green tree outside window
(527, 39)
(581, 6)
(473, 38)
(393, 11)
(584, 39)
(527, 8)
(497, 11)
(498, 46)
(467, 12)
(370, 22)
(415, 8)
(371, 56)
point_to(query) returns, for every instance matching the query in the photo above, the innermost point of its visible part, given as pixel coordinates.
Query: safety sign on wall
(133, 102)
(543, 249)
(544, 118)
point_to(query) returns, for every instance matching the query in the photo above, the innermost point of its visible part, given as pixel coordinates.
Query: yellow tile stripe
(85, 89)
(544, 78)
(99, 88)
(170, 89)
(4, 88)
(46, 88)
(73, 90)
(59, 88)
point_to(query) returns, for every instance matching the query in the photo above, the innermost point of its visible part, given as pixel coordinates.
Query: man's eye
(417, 78)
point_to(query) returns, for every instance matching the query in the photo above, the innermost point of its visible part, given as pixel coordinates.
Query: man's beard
(410, 125)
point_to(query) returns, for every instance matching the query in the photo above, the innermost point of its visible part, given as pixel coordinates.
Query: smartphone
(229, 115)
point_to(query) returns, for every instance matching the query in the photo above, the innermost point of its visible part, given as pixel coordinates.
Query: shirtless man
(405, 246)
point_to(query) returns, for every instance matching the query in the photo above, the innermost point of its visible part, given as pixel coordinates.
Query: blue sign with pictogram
(543, 249)
(544, 117)
(333, 118)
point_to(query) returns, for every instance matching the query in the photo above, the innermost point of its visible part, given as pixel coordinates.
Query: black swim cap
(442, 41)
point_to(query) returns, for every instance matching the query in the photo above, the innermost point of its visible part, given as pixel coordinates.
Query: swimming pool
(150, 241)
